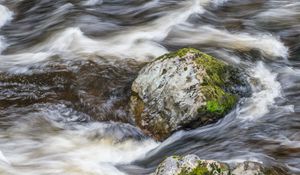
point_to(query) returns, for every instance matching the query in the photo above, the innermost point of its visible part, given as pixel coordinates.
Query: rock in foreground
(184, 89)
(193, 165)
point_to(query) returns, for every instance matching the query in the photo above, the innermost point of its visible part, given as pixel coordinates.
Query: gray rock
(248, 168)
(184, 89)
(191, 164)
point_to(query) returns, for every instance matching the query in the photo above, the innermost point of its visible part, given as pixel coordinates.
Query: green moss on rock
(199, 170)
(180, 53)
(185, 89)
(219, 102)
(202, 169)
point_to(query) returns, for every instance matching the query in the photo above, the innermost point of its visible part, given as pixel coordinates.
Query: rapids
(66, 68)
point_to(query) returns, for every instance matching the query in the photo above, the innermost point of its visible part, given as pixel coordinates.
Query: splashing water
(264, 94)
(5, 16)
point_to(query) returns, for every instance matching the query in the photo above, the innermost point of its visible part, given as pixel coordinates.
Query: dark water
(66, 69)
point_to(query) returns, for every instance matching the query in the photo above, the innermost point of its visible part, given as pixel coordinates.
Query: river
(66, 69)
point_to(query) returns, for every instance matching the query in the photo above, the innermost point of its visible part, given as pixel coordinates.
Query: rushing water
(66, 68)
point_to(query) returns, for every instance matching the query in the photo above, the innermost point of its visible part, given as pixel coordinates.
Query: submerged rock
(184, 89)
(193, 165)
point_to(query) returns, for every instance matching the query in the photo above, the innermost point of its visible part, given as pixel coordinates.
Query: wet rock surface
(184, 89)
(193, 165)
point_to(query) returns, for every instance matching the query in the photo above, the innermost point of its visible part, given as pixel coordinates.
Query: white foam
(285, 12)
(92, 2)
(268, 44)
(264, 93)
(36, 145)
(3, 158)
(68, 153)
(50, 142)
(141, 43)
(19, 63)
(5, 16)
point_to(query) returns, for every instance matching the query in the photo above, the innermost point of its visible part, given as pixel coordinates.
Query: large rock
(184, 89)
(193, 165)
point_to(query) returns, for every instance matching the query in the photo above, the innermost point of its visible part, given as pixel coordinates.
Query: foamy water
(5, 16)
(265, 91)
(46, 142)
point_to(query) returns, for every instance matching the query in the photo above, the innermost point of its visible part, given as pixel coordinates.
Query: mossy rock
(184, 89)
(191, 165)
(218, 77)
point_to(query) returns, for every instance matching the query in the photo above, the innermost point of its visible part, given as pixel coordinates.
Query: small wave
(3, 158)
(45, 141)
(268, 44)
(92, 2)
(141, 43)
(284, 13)
(19, 63)
(265, 92)
(5, 16)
